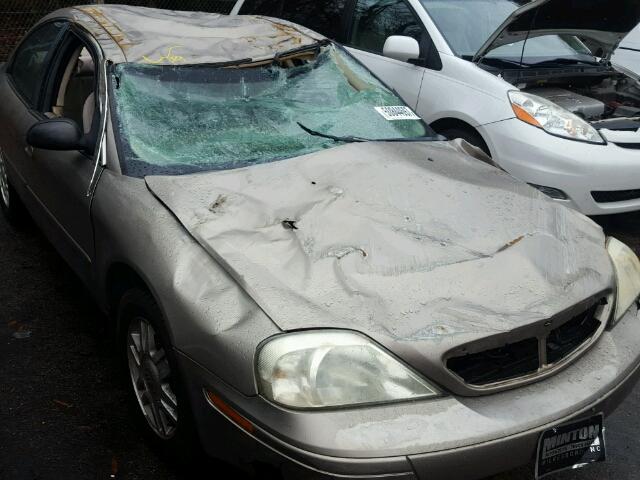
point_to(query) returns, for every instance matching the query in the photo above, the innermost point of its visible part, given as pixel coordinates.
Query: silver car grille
(534, 356)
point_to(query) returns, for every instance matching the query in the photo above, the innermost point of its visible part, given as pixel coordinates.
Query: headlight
(627, 268)
(552, 118)
(328, 368)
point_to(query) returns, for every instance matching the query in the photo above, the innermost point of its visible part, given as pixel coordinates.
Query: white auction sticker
(397, 113)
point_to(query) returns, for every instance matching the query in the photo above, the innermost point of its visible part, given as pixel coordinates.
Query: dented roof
(163, 37)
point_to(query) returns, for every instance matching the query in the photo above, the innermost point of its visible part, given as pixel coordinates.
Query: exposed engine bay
(601, 95)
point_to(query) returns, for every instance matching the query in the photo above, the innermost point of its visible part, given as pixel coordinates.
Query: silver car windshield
(183, 119)
(467, 24)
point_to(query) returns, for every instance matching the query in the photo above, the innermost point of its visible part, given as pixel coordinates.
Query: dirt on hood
(410, 241)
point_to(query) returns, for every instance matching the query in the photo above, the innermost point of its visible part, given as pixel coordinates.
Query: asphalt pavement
(63, 408)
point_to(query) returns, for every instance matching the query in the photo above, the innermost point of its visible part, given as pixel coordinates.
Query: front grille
(616, 196)
(498, 364)
(567, 338)
(527, 357)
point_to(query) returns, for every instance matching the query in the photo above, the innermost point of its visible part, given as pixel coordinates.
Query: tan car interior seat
(76, 97)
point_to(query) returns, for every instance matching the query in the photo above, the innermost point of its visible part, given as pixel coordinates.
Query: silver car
(299, 273)
(628, 54)
(529, 82)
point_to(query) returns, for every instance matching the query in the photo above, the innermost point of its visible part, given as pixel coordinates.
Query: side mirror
(401, 48)
(56, 134)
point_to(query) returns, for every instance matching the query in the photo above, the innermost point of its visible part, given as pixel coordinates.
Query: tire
(168, 423)
(469, 136)
(10, 203)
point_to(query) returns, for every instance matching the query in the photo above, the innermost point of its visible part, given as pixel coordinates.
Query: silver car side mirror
(401, 48)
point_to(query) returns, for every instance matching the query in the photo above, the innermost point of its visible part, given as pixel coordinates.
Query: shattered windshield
(183, 119)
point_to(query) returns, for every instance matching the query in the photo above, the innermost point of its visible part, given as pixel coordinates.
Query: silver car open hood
(404, 240)
(632, 41)
(601, 24)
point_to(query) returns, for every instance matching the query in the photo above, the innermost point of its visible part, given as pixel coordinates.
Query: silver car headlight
(627, 268)
(333, 368)
(552, 118)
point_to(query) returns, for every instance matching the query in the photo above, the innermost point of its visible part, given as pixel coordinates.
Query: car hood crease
(410, 240)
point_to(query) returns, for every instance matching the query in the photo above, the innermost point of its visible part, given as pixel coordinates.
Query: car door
(372, 22)
(60, 180)
(20, 91)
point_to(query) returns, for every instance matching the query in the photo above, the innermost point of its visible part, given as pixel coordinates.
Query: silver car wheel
(4, 182)
(150, 375)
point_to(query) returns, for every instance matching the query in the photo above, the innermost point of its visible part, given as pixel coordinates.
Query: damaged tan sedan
(301, 275)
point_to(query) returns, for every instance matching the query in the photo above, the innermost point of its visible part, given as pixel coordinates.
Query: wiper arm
(332, 137)
(502, 62)
(335, 138)
(563, 61)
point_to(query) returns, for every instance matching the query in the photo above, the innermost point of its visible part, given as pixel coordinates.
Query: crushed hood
(413, 242)
(601, 24)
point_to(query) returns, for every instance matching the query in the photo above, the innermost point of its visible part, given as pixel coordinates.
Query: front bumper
(452, 437)
(576, 168)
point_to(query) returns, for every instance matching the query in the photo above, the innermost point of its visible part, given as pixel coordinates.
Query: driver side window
(376, 20)
(30, 61)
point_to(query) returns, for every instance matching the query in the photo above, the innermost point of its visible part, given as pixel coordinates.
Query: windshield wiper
(332, 137)
(427, 138)
(563, 61)
(498, 62)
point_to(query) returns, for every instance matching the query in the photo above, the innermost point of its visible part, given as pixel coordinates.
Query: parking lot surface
(63, 408)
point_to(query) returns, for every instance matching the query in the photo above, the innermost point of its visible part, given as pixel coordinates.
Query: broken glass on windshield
(182, 119)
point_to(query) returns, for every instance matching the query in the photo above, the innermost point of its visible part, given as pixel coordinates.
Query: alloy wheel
(151, 374)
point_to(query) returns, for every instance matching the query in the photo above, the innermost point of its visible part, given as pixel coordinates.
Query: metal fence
(18, 16)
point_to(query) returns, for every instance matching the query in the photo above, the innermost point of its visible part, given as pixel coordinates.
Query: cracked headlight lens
(331, 368)
(552, 118)
(627, 268)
